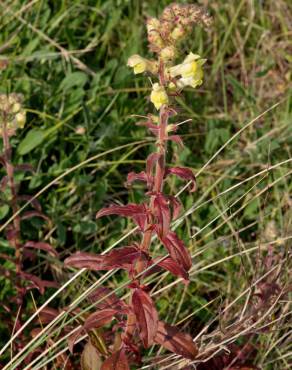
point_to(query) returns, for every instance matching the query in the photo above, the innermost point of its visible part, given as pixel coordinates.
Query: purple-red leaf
(105, 298)
(176, 139)
(31, 214)
(175, 341)
(37, 282)
(99, 318)
(183, 173)
(85, 260)
(173, 267)
(41, 245)
(117, 258)
(3, 183)
(162, 212)
(121, 257)
(24, 167)
(150, 162)
(133, 176)
(138, 212)
(47, 315)
(177, 250)
(176, 206)
(146, 314)
(34, 202)
(117, 361)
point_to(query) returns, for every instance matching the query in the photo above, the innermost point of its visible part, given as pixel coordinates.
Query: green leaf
(32, 139)
(3, 211)
(73, 79)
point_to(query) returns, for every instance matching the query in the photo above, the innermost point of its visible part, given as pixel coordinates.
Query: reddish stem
(10, 175)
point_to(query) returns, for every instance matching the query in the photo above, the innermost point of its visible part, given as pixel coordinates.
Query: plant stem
(10, 175)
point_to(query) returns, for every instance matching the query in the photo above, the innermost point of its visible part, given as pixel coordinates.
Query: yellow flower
(190, 70)
(20, 119)
(140, 64)
(158, 96)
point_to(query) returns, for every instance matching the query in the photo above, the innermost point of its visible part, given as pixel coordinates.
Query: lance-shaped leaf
(177, 250)
(105, 298)
(133, 176)
(121, 257)
(30, 214)
(24, 167)
(151, 161)
(172, 266)
(138, 212)
(117, 258)
(146, 315)
(183, 173)
(117, 361)
(162, 212)
(3, 183)
(37, 282)
(149, 124)
(47, 315)
(85, 260)
(42, 246)
(93, 321)
(175, 341)
(176, 139)
(176, 206)
(99, 319)
(34, 202)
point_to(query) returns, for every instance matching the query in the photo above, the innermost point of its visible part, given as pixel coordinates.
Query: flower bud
(168, 53)
(178, 33)
(152, 24)
(20, 119)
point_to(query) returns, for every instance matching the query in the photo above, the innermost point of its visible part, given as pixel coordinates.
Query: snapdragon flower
(190, 70)
(158, 96)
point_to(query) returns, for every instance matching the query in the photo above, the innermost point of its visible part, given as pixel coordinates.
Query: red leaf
(107, 298)
(177, 250)
(37, 282)
(34, 202)
(73, 338)
(176, 206)
(24, 167)
(162, 213)
(117, 361)
(177, 139)
(184, 173)
(133, 176)
(85, 260)
(138, 212)
(121, 258)
(149, 124)
(31, 214)
(117, 258)
(40, 245)
(175, 341)
(99, 318)
(146, 314)
(150, 162)
(173, 267)
(47, 315)
(3, 183)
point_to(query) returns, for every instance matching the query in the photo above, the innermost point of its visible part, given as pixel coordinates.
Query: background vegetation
(69, 58)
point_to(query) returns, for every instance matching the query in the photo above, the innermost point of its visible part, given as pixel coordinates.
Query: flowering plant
(137, 320)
